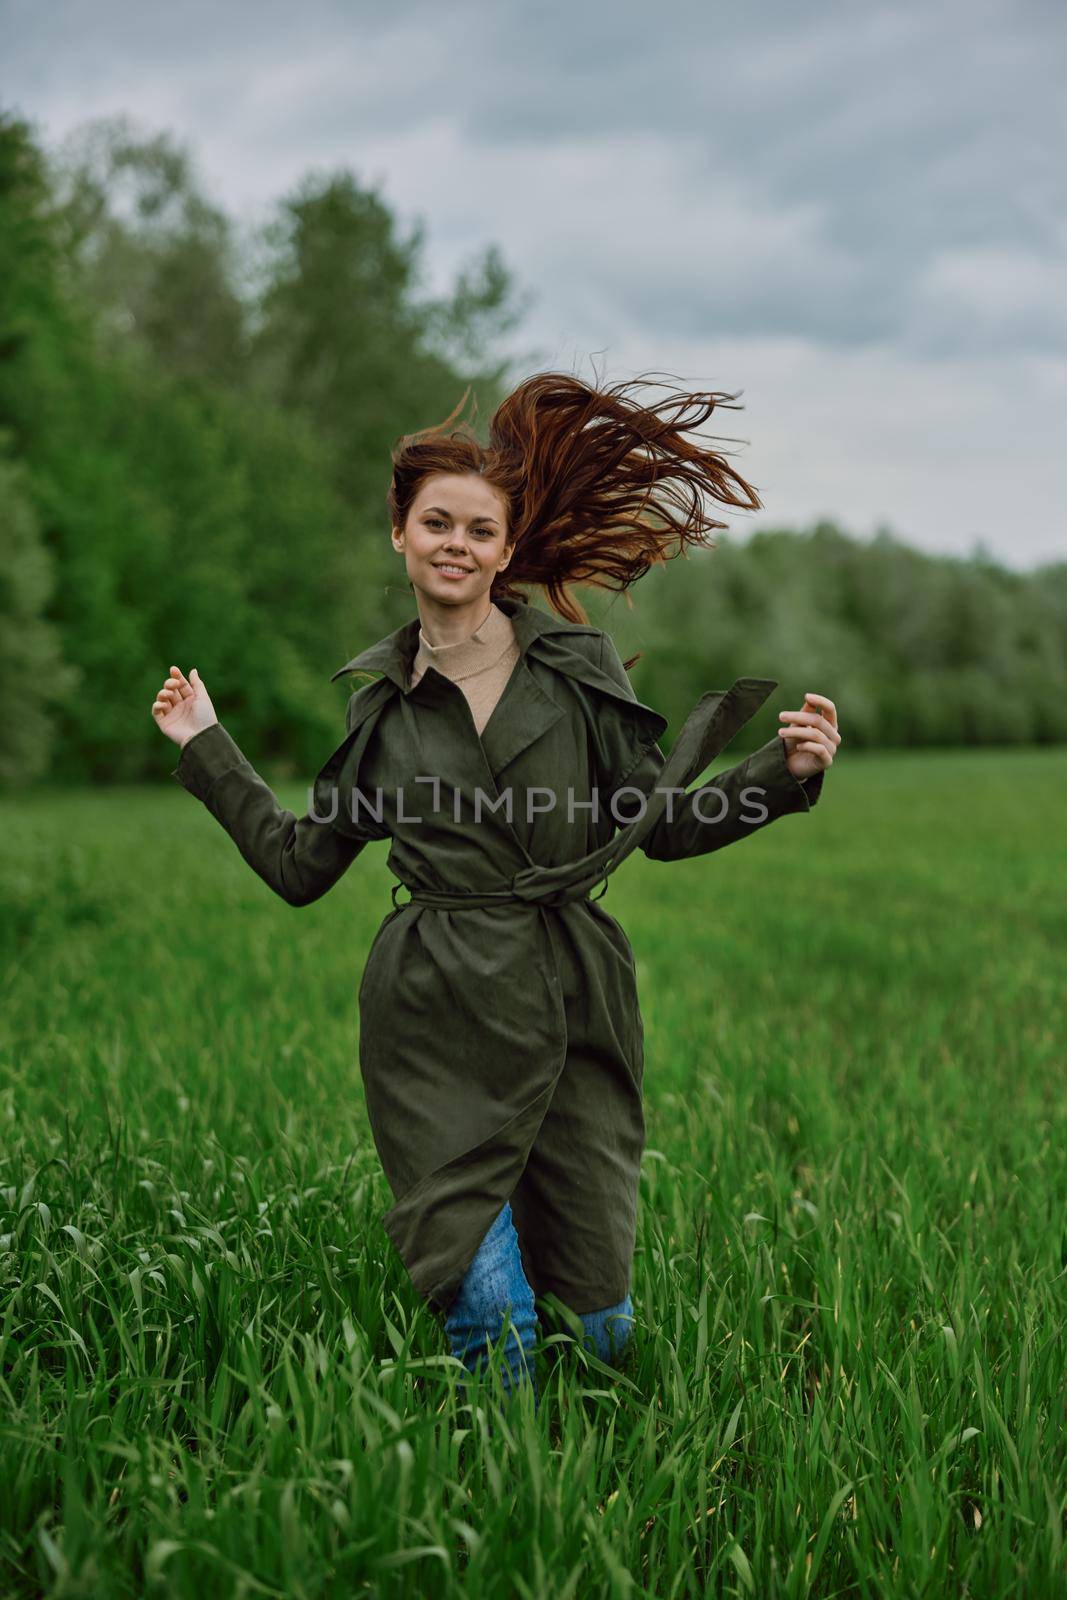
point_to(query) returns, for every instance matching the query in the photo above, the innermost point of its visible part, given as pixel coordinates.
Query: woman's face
(454, 540)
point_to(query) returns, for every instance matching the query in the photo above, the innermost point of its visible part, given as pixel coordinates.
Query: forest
(196, 421)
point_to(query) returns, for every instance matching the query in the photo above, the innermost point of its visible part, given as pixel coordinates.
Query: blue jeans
(496, 1289)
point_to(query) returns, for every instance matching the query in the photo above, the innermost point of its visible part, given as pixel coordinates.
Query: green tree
(345, 337)
(151, 258)
(202, 495)
(32, 668)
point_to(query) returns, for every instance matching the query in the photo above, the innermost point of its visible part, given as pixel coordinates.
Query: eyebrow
(443, 513)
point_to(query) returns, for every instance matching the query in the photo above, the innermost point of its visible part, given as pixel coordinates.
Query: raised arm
(728, 813)
(298, 857)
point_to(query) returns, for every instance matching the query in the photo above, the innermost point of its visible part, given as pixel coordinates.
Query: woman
(500, 748)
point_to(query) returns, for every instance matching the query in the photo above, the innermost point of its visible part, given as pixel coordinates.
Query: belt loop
(403, 903)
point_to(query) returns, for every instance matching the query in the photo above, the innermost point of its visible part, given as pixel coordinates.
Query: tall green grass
(847, 1374)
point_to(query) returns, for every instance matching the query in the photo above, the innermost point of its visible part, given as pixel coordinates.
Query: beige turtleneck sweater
(480, 664)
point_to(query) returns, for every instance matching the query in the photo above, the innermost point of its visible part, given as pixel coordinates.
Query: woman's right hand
(183, 707)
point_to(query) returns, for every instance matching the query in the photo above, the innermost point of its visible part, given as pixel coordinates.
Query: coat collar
(395, 654)
(531, 710)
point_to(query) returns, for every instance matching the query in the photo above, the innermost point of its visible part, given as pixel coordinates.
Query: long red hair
(599, 486)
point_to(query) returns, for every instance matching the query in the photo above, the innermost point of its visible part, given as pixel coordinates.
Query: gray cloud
(901, 147)
(863, 196)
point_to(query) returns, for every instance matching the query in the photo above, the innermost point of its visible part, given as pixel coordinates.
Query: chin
(447, 589)
(441, 592)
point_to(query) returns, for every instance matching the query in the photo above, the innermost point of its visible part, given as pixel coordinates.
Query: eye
(435, 522)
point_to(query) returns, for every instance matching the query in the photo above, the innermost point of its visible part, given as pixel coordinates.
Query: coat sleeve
(298, 857)
(716, 813)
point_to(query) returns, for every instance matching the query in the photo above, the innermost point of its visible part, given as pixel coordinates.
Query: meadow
(847, 1372)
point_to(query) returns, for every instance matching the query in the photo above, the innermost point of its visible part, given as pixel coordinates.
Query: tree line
(195, 432)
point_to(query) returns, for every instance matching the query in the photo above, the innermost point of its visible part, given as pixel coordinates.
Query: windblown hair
(599, 487)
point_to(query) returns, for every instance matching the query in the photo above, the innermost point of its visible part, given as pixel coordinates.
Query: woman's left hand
(812, 736)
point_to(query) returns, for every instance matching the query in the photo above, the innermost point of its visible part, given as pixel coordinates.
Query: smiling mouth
(452, 569)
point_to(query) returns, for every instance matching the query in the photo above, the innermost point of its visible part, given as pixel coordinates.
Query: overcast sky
(853, 212)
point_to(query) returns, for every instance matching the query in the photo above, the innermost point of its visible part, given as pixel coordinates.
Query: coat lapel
(522, 715)
(395, 654)
(363, 711)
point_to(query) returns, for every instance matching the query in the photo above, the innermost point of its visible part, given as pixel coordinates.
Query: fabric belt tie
(461, 900)
(708, 729)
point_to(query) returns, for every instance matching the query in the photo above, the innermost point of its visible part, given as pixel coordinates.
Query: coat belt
(514, 893)
(708, 729)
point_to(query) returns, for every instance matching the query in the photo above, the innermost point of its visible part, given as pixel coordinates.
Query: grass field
(847, 1373)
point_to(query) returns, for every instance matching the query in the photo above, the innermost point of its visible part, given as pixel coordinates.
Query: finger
(824, 754)
(802, 740)
(185, 688)
(812, 719)
(827, 705)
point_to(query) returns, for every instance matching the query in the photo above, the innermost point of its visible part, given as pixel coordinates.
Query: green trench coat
(501, 1042)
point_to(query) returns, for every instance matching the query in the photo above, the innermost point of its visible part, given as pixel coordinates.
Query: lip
(464, 572)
